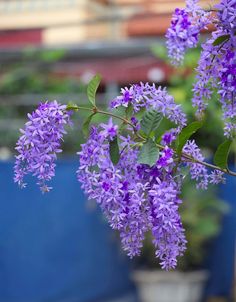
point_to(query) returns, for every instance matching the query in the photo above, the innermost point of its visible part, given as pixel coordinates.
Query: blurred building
(112, 37)
(60, 22)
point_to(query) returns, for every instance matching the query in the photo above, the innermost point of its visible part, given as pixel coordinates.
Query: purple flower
(124, 99)
(216, 177)
(40, 142)
(169, 136)
(110, 130)
(166, 158)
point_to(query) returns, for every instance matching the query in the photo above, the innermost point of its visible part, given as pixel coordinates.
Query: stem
(96, 110)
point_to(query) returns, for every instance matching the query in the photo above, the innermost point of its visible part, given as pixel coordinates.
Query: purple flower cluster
(148, 96)
(40, 142)
(217, 70)
(135, 198)
(197, 171)
(217, 65)
(184, 31)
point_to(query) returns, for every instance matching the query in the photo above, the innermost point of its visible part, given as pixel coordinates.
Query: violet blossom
(217, 64)
(40, 142)
(134, 197)
(184, 31)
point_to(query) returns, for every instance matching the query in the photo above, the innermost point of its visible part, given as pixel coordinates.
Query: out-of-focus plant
(33, 75)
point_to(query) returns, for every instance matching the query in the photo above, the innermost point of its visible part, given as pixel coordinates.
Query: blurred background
(58, 247)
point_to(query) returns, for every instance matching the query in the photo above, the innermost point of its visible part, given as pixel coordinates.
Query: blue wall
(221, 262)
(55, 247)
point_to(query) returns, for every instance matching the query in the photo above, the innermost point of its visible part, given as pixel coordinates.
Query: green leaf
(92, 88)
(150, 121)
(222, 153)
(149, 153)
(114, 151)
(186, 133)
(85, 127)
(220, 40)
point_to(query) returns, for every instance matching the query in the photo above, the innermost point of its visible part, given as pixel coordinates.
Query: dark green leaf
(150, 121)
(186, 133)
(222, 153)
(114, 151)
(220, 40)
(85, 127)
(149, 153)
(92, 88)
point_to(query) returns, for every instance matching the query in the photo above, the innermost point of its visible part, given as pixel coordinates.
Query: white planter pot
(161, 286)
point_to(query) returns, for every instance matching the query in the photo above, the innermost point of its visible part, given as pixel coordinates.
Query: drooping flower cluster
(40, 142)
(217, 65)
(135, 198)
(185, 29)
(217, 70)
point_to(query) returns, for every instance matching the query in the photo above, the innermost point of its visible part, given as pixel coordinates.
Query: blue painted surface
(53, 247)
(222, 253)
